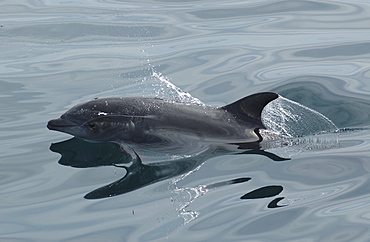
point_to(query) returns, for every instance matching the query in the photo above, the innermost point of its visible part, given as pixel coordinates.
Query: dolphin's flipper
(249, 109)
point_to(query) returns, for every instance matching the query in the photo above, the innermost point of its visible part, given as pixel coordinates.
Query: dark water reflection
(280, 7)
(80, 153)
(335, 51)
(77, 32)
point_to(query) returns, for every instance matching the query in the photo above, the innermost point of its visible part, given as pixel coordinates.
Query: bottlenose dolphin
(164, 125)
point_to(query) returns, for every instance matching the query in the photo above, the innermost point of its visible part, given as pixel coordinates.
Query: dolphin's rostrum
(164, 125)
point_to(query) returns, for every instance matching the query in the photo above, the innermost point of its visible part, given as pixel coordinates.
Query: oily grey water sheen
(57, 54)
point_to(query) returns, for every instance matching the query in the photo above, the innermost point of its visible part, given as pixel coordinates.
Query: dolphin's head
(99, 120)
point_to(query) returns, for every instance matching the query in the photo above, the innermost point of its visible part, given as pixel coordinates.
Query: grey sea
(56, 54)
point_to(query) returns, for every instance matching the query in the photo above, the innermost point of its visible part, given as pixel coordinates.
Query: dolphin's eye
(92, 126)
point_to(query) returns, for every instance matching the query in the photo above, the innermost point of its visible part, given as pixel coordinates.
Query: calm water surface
(55, 54)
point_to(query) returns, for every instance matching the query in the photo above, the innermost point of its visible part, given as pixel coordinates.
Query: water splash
(291, 119)
(162, 86)
(296, 128)
(165, 89)
(184, 196)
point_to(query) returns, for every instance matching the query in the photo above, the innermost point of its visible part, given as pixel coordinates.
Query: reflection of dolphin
(165, 126)
(81, 153)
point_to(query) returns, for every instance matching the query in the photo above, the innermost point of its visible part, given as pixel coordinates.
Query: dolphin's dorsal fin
(249, 109)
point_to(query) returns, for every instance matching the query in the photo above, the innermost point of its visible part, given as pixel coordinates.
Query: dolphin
(166, 126)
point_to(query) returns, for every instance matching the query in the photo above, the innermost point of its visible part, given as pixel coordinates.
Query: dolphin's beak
(60, 124)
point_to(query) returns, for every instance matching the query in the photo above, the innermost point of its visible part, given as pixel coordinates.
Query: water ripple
(55, 54)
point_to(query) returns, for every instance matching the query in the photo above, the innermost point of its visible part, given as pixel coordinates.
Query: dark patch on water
(263, 192)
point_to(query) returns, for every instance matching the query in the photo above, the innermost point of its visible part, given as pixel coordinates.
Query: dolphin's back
(236, 122)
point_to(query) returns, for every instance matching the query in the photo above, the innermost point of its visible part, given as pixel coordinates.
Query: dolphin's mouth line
(61, 126)
(57, 124)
